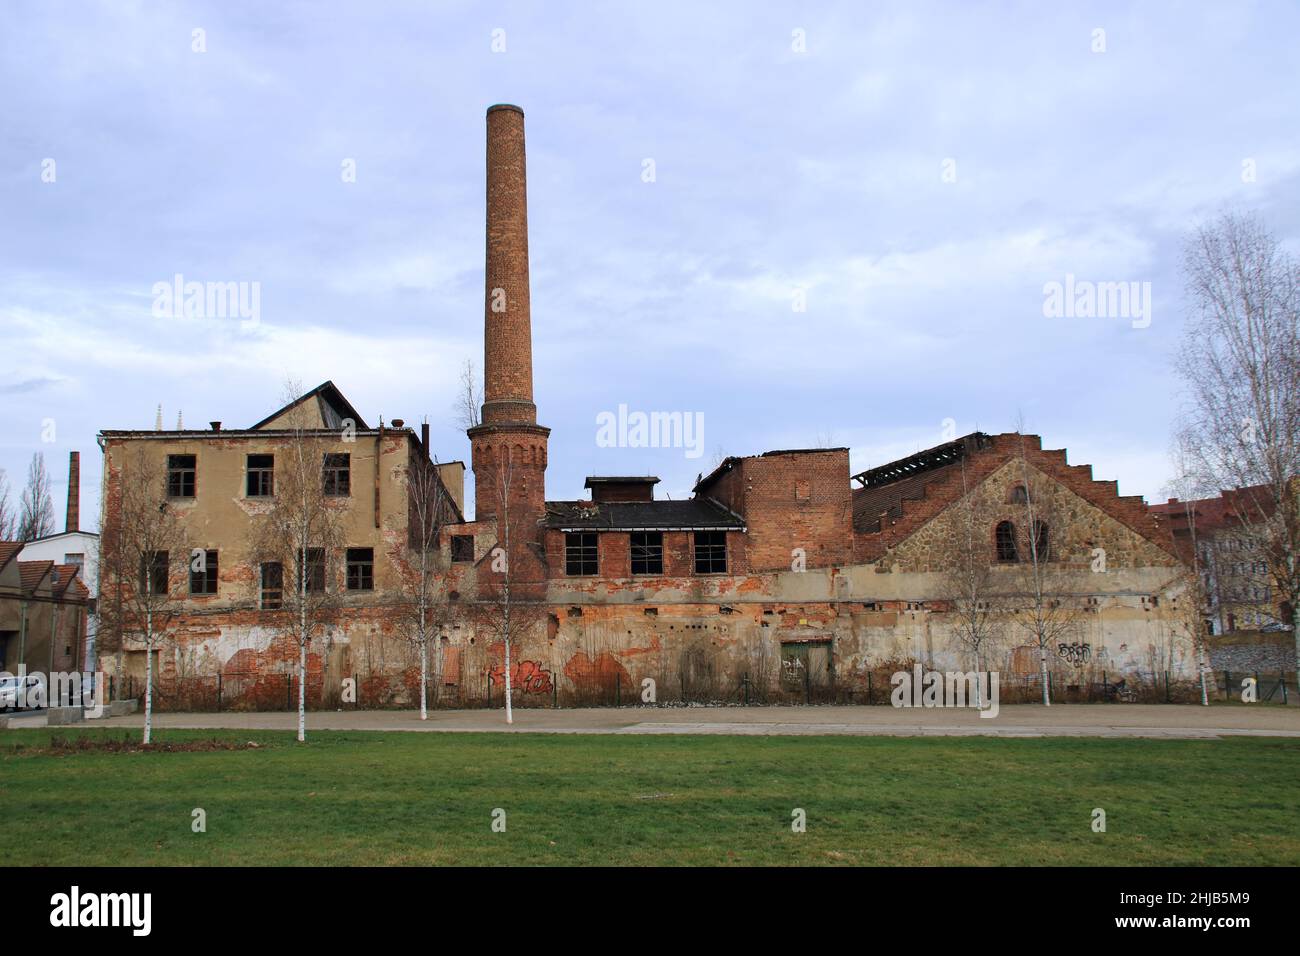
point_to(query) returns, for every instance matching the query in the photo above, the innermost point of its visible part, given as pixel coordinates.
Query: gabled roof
(65, 574)
(33, 573)
(334, 408)
(693, 514)
(913, 490)
(8, 551)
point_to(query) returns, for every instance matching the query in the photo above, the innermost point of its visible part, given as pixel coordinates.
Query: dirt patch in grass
(60, 746)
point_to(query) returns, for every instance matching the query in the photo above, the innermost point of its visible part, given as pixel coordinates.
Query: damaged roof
(693, 514)
(884, 488)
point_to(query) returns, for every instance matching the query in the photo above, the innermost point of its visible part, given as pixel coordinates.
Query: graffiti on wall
(528, 677)
(1077, 654)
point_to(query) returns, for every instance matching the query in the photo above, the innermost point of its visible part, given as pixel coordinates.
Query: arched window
(1005, 537)
(1042, 542)
(1019, 496)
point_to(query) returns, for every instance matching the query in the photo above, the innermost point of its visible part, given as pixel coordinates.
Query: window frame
(264, 590)
(652, 552)
(581, 555)
(208, 576)
(177, 473)
(151, 566)
(335, 471)
(1008, 545)
(364, 568)
(315, 570)
(698, 556)
(267, 472)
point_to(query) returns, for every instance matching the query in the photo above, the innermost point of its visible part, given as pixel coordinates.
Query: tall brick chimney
(509, 431)
(73, 520)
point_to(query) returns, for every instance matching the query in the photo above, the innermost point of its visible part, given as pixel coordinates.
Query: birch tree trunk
(424, 677)
(1042, 665)
(148, 676)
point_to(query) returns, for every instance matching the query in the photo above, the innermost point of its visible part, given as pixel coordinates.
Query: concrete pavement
(1020, 720)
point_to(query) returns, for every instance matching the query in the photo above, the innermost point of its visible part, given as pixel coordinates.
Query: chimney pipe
(507, 338)
(73, 520)
(216, 426)
(424, 438)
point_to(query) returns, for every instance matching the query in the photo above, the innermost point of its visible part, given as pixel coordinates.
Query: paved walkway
(1021, 720)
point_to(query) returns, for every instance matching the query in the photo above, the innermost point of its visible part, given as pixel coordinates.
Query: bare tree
(469, 397)
(507, 606)
(8, 515)
(1190, 620)
(1240, 361)
(36, 508)
(970, 583)
(1045, 607)
(424, 600)
(299, 535)
(145, 539)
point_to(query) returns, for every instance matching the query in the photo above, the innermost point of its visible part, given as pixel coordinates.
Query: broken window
(647, 552)
(338, 475)
(1019, 495)
(203, 572)
(361, 569)
(153, 572)
(272, 584)
(261, 476)
(462, 547)
(315, 569)
(1006, 542)
(580, 553)
(710, 552)
(180, 476)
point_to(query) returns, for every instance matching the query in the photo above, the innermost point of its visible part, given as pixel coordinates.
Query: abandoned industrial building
(783, 576)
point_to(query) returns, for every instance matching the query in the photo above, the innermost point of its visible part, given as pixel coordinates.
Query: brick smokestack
(508, 448)
(73, 521)
(507, 326)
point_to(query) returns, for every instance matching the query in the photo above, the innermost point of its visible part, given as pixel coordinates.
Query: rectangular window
(261, 476)
(203, 572)
(78, 558)
(710, 552)
(462, 547)
(272, 585)
(338, 475)
(153, 572)
(580, 553)
(315, 569)
(180, 476)
(647, 552)
(361, 569)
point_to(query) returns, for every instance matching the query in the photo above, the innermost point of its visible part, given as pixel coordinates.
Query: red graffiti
(526, 676)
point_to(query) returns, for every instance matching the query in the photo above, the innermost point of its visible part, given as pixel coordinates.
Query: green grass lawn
(427, 798)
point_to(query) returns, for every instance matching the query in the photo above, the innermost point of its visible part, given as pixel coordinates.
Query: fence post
(288, 692)
(555, 694)
(1167, 697)
(618, 689)
(218, 692)
(1281, 679)
(807, 685)
(745, 683)
(1227, 684)
(869, 700)
(1105, 687)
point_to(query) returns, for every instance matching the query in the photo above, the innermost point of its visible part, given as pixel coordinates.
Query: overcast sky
(920, 172)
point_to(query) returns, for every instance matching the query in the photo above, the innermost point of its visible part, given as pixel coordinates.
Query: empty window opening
(272, 585)
(647, 552)
(462, 548)
(1006, 542)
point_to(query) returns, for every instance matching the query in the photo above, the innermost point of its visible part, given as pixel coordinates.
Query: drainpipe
(379, 450)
